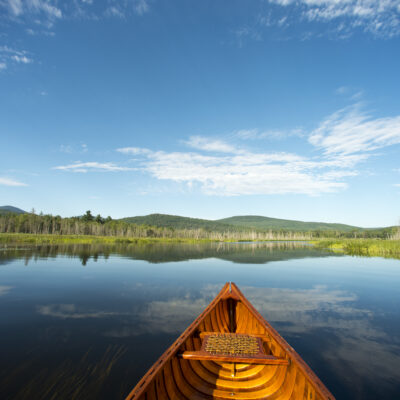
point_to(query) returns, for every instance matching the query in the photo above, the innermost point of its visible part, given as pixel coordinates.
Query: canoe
(230, 352)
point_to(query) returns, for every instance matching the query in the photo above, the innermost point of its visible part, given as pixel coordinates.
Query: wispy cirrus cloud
(45, 13)
(379, 17)
(92, 166)
(11, 182)
(20, 7)
(10, 55)
(21, 59)
(351, 130)
(252, 134)
(210, 144)
(133, 150)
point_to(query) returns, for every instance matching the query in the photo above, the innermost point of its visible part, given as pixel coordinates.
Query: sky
(282, 108)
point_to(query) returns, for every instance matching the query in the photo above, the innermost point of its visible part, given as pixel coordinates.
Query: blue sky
(283, 108)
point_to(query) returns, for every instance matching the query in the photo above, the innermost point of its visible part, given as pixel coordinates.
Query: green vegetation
(260, 224)
(362, 247)
(87, 224)
(177, 222)
(170, 227)
(39, 239)
(246, 222)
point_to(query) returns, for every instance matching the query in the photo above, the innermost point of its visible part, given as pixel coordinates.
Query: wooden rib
(161, 392)
(170, 384)
(241, 373)
(225, 311)
(223, 327)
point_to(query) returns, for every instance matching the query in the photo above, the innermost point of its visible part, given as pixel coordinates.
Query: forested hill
(177, 222)
(11, 209)
(266, 223)
(241, 222)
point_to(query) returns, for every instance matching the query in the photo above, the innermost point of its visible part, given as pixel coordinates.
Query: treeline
(99, 226)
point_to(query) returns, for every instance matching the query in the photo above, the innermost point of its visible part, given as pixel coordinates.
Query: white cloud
(380, 17)
(66, 148)
(344, 139)
(92, 166)
(251, 134)
(19, 7)
(11, 182)
(133, 150)
(396, 184)
(71, 311)
(239, 172)
(342, 90)
(46, 12)
(5, 289)
(141, 7)
(114, 12)
(204, 143)
(9, 55)
(350, 131)
(21, 59)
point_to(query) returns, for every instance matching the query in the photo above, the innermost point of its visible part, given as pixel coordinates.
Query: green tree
(88, 217)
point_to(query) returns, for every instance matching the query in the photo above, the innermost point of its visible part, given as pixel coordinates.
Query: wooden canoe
(230, 352)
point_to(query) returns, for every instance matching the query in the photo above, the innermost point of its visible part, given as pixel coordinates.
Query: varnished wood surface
(175, 376)
(258, 359)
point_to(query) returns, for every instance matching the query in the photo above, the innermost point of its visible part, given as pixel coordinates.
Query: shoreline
(37, 239)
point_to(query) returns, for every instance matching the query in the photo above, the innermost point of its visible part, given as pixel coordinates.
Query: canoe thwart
(233, 347)
(264, 360)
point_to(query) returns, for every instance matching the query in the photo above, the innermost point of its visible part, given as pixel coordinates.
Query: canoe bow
(230, 352)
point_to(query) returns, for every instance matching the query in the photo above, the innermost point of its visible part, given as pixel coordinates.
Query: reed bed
(362, 247)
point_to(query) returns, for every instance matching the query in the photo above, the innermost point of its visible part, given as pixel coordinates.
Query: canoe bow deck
(230, 352)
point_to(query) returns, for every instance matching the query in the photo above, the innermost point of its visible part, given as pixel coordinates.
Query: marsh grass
(362, 247)
(38, 239)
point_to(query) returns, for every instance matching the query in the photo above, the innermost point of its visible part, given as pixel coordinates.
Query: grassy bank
(34, 239)
(362, 247)
(38, 239)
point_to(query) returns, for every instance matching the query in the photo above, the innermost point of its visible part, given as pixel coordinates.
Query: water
(86, 322)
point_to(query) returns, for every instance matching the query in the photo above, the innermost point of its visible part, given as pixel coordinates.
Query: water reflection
(91, 333)
(244, 253)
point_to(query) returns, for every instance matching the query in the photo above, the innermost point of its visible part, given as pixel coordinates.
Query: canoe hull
(173, 377)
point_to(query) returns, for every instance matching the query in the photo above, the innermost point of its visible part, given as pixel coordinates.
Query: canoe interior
(173, 377)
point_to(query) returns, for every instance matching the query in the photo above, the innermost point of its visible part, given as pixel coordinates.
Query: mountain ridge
(238, 222)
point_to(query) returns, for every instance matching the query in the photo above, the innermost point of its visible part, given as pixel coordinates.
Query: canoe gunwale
(230, 290)
(170, 352)
(301, 364)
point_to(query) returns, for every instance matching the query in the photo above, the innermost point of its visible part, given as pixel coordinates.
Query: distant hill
(11, 209)
(236, 223)
(266, 223)
(177, 222)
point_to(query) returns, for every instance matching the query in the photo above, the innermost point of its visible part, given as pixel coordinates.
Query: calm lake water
(86, 322)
